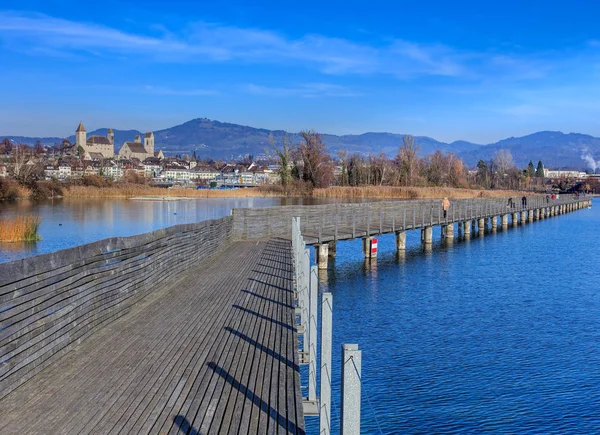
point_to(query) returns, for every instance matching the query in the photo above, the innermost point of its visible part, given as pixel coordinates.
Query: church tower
(149, 143)
(80, 136)
(111, 136)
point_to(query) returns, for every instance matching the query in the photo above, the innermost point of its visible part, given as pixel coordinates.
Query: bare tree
(6, 146)
(408, 160)
(318, 165)
(503, 161)
(23, 170)
(284, 157)
(343, 158)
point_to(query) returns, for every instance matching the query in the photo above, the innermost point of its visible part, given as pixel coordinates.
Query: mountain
(217, 140)
(554, 148)
(225, 140)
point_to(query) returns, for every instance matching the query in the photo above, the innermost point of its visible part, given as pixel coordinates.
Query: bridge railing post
(326, 350)
(351, 377)
(312, 335)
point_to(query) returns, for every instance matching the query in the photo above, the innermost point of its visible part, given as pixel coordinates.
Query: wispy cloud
(161, 90)
(209, 42)
(306, 90)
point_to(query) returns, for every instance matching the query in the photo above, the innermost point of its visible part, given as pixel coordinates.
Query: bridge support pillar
(515, 219)
(530, 213)
(494, 222)
(467, 227)
(523, 217)
(332, 249)
(427, 235)
(449, 231)
(322, 252)
(481, 226)
(368, 247)
(537, 214)
(401, 240)
(504, 221)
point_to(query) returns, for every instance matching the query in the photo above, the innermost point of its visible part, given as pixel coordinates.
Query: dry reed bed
(20, 229)
(130, 191)
(136, 190)
(410, 192)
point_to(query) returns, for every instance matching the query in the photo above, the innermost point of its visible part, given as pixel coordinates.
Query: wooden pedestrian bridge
(197, 328)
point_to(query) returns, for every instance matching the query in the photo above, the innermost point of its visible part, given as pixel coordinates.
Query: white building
(95, 144)
(563, 174)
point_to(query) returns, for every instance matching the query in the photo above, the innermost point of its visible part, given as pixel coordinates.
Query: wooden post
(351, 380)
(312, 333)
(326, 347)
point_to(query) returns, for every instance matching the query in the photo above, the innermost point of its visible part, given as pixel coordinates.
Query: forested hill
(225, 140)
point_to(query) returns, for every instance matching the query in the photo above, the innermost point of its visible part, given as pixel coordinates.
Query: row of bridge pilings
(309, 316)
(466, 228)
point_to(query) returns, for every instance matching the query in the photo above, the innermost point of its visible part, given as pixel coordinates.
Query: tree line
(310, 163)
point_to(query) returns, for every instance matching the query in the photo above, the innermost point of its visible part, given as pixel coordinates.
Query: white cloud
(206, 42)
(466, 72)
(161, 90)
(307, 90)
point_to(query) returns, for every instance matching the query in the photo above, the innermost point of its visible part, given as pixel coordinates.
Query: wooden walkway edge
(216, 353)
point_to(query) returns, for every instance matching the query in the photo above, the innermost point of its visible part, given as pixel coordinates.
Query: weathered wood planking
(49, 302)
(214, 354)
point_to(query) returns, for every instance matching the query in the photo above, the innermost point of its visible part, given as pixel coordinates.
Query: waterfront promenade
(189, 329)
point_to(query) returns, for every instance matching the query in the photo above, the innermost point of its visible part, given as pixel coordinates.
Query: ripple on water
(494, 335)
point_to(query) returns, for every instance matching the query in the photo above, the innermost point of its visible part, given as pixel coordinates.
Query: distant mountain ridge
(226, 140)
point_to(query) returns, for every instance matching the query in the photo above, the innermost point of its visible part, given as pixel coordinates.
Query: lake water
(68, 223)
(499, 334)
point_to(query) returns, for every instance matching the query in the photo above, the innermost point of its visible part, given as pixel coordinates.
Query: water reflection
(68, 222)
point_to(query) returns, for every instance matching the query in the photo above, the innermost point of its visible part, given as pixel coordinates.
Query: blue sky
(477, 71)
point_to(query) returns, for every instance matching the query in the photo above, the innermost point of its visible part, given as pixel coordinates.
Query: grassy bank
(20, 229)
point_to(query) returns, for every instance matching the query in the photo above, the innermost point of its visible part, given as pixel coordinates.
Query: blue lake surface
(497, 334)
(68, 223)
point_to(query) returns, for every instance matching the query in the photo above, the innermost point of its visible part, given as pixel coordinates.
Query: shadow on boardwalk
(184, 426)
(256, 400)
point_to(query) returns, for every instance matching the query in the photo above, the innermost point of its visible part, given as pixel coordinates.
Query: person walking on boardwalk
(524, 202)
(445, 206)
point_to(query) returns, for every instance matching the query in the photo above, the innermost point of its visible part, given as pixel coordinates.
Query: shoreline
(148, 193)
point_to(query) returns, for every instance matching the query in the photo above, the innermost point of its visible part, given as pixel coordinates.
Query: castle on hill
(104, 147)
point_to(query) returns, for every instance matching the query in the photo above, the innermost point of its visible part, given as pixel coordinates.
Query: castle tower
(80, 136)
(111, 136)
(149, 143)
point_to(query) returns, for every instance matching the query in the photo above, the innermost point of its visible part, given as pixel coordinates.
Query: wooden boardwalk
(216, 353)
